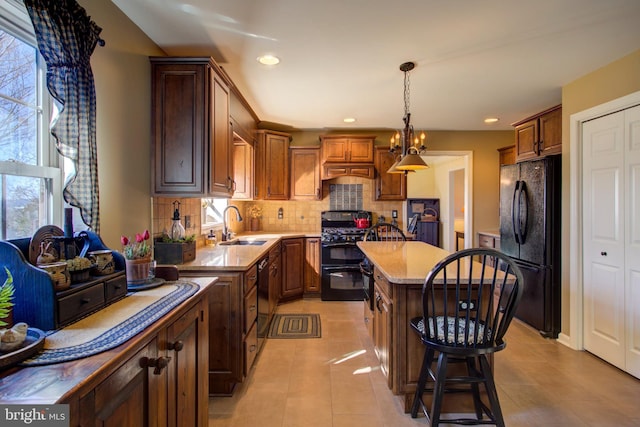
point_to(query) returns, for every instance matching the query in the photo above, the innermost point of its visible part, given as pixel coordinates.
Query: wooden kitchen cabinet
(191, 131)
(312, 278)
(347, 148)
(489, 240)
(388, 186)
(243, 160)
(539, 135)
(347, 155)
(507, 155)
(292, 268)
(382, 327)
(305, 173)
(272, 165)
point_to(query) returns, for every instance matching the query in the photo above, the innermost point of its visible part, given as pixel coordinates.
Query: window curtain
(66, 39)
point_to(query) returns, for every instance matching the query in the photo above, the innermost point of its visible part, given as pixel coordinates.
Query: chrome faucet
(226, 234)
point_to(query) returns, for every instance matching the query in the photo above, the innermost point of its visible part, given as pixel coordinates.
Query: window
(30, 176)
(212, 210)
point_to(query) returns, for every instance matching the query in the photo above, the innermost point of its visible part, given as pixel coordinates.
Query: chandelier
(406, 143)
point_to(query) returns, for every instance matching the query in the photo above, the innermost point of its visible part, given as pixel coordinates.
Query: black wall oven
(340, 257)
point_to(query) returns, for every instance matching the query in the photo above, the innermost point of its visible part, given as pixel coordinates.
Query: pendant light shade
(411, 162)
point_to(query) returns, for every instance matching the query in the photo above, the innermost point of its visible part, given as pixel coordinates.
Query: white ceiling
(341, 58)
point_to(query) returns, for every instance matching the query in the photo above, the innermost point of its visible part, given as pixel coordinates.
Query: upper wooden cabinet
(507, 155)
(539, 135)
(388, 186)
(191, 131)
(272, 165)
(305, 173)
(347, 155)
(243, 160)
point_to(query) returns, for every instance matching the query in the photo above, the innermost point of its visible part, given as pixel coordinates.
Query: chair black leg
(475, 388)
(438, 389)
(492, 393)
(422, 382)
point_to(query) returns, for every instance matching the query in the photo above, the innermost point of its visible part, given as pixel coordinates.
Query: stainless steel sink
(243, 243)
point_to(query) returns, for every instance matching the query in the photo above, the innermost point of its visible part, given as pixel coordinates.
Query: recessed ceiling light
(349, 120)
(490, 120)
(268, 60)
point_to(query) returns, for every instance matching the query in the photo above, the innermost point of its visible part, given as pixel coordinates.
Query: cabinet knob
(176, 346)
(158, 363)
(252, 307)
(252, 348)
(603, 253)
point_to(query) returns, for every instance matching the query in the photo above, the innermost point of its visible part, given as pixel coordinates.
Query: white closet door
(632, 232)
(603, 238)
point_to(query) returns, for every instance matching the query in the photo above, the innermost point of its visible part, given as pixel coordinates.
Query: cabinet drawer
(80, 303)
(381, 281)
(485, 241)
(250, 278)
(250, 308)
(250, 349)
(115, 289)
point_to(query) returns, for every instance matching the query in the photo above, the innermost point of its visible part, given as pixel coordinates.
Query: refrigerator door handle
(522, 226)
(515, 214)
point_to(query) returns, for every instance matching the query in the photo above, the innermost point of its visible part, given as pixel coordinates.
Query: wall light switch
(394, 214)
(187, 221)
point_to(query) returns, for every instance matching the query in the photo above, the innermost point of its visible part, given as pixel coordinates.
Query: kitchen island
(399, 272)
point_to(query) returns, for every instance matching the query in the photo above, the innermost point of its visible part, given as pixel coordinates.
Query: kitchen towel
(113, 325)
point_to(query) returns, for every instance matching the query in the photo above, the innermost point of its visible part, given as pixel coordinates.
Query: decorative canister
(59, 274)
(139, 271)
(103, 262)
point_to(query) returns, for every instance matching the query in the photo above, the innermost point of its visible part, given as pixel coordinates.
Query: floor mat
(296, 325)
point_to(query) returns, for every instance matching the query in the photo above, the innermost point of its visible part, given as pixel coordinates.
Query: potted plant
(175, 251)
(6, 300)
(137, 258)
(254, 212)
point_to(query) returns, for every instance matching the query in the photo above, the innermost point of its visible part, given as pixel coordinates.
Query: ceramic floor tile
(335, 381)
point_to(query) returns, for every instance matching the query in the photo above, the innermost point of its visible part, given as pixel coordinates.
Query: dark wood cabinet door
(243, 169)
(305, 174)
(275, 278)
(428, 232)
(347, 148)
(131, 396)
(292, 268)
(225, 335)
(312, 265)
(389, 186)
(382, 331)
(361, 150)
(272, 165)
(178, 106)
(221, 166)
(527, 140)
(551, 132)
(187, 347)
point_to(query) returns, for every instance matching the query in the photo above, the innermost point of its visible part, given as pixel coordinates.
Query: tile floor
(334, 381)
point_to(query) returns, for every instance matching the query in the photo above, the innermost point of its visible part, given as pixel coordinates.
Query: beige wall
(613, 81)
(122, 78)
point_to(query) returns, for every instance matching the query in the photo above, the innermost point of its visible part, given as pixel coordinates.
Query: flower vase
(255, 224)
(138, 270)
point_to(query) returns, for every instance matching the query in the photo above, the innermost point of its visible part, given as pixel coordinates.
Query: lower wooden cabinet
(488, 240)
(382, 328)
(160, 385)
(312, 281)
(292, 268)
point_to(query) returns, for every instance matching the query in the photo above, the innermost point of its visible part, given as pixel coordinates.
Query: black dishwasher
(263, 300)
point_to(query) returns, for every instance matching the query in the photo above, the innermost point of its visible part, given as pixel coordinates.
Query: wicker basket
(429, 215)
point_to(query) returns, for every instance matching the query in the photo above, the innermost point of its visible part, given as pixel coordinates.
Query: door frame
(575, 339)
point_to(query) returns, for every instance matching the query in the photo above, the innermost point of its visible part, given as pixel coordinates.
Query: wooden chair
(384, 231)
(468, 307)
(167, 272)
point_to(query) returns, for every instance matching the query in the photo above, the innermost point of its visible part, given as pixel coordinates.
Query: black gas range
(340, 258)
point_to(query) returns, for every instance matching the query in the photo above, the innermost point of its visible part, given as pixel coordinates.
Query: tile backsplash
(297, 215)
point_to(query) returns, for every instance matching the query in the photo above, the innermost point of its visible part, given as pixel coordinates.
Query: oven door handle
(354, 267)
(339, 245)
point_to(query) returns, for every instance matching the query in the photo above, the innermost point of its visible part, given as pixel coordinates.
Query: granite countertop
(403, 262)
(223, 257)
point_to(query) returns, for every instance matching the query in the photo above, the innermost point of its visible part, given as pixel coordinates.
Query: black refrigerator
(530, 233)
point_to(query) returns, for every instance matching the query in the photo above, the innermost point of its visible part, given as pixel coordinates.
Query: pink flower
(145, 235)
(139, 238)
(124, 240)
